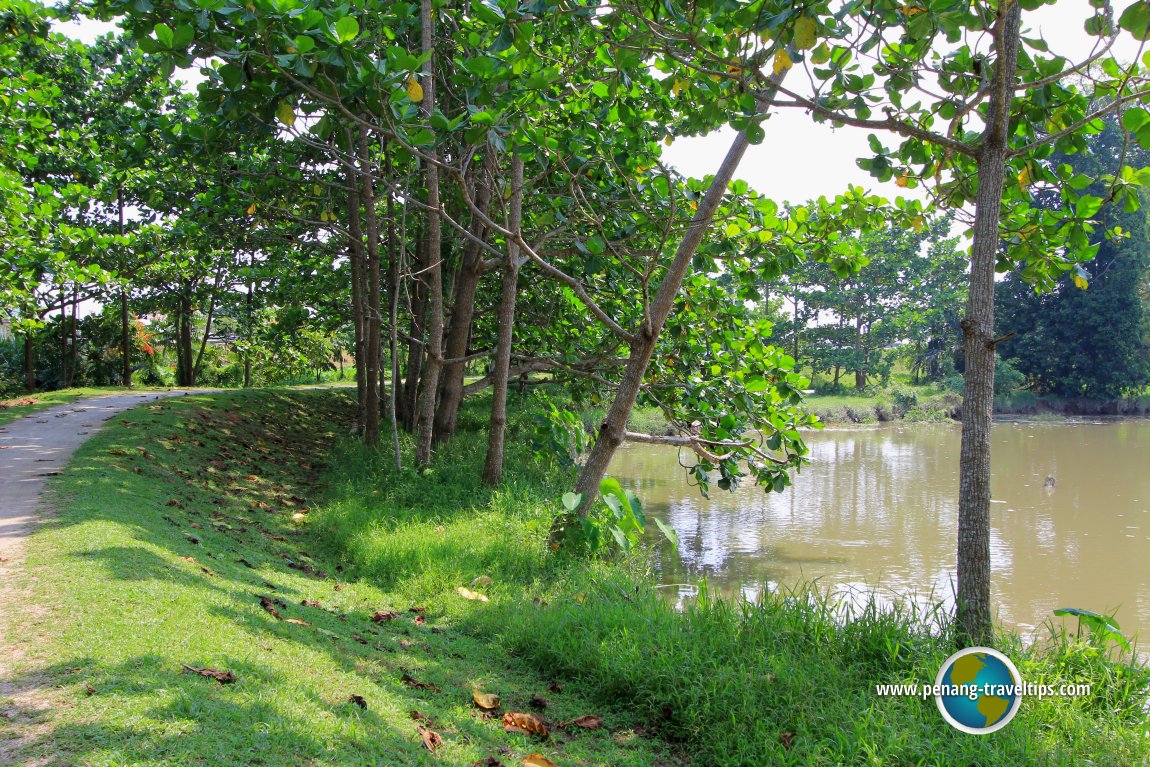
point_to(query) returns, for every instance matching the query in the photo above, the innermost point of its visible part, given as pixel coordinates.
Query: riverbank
(178, 520)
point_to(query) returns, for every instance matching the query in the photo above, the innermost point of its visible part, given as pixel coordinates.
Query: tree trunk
(62, 336)
(208, 323)
(973, 598)
(860, 362)
(73, 332)
(493, 465)
(615, 424)
(29, 363)
(249, 302)
(418, 300)
(185, 371)
(393, 318)
(125, 320)
(358, 315)
(463, 307)
(429, 383)
(373, 316)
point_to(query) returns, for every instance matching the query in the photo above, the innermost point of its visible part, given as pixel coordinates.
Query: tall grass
(789, 679)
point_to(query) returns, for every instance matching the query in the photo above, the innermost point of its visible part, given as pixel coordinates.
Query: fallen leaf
(357, 700)
(467, 593)
(417, 609)
(223, 677)
(538, 702)
(527, 724)
(296, 621)
(537, 760)
(555, 688)
(418, 716)
(431, 739)
(411, 681)
(482, 582)
(489, 761)
(786, 738)
(382, 616)
(588, 721)
(89, 689)
(420, 620)
(485, 700)
(311, 603)
(358, 638)
(268, 605)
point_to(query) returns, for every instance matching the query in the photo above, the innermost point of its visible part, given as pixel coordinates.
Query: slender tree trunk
(611, 431)
(973, 598)
(208, 323)
(418, 300)
(125, 319)
(860, 362)
(249, 303)
(429, 383)
(185, 372)
(463, 308)
(63, 337)
(393, 318)
(493, 465)
(374, 316)
(358, 315)
(29, 363)
(74, 335)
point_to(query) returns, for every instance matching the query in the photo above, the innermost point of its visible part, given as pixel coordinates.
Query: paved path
(38, 446)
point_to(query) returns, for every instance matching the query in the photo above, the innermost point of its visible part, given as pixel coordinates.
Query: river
(876, 509)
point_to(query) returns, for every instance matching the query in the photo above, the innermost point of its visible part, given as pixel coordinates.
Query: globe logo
(978, 690)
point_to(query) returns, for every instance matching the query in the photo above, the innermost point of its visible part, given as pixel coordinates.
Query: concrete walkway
(40, 445)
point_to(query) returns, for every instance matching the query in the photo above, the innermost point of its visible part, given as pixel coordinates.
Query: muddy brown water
(876, 511)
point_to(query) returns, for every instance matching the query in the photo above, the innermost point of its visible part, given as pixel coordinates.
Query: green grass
(787, 681)
(724, 681)
(140, 573)
(25, 404)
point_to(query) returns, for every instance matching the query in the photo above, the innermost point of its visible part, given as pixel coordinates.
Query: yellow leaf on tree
(285, 114)
(1024, 177)
(902, 180)
(414, 90)
(782, 62)
(805, 33)
(913, 10)
(251, 209)
(1081, 282)
(916, 223)
(677, 87)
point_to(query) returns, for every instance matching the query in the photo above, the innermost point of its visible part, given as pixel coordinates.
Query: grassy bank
(782, 682)
(160, 558)
(174, 522)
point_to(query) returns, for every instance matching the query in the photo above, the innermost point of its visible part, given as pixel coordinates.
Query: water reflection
(878, 506)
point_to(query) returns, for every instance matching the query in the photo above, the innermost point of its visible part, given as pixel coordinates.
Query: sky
(801, 160)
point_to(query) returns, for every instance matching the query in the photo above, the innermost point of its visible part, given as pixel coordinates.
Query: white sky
(800, 160)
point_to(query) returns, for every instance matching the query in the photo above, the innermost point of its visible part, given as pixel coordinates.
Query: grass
(25, 404)
(173, 522)
(786, 681)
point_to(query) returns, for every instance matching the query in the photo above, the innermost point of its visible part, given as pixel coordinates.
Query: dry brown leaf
(538, 702)
(419, 716)
(296, 621)
(420, 620)
(537, 760)
(522, 722)
(467, 593)
(485, 700)
(489, 761)
(223, 677)
(383, 616)
(411, 681)
(431, 739)
(787, 739)
(357, 700)
(268, 605)
(588, 721)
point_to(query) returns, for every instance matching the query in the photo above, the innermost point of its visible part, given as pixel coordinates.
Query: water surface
(877, 509)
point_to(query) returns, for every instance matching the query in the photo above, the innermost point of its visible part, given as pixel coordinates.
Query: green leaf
(303, 43)
(346, 29)
(572, 501)
(668, 532)
(164, 34)
(757, 385)
(1136, 20)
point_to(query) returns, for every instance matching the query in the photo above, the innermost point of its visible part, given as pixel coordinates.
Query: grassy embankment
(782, 682)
